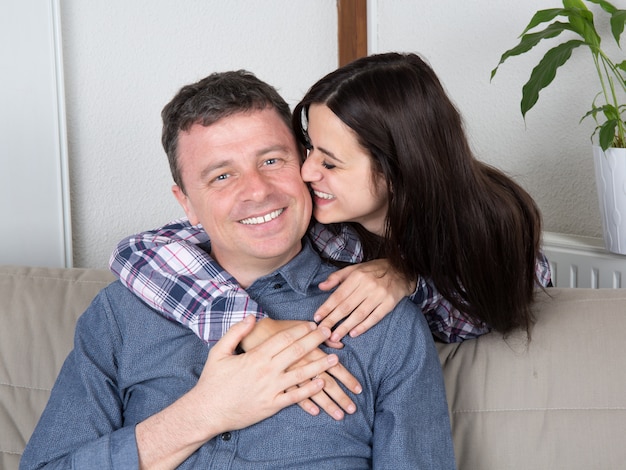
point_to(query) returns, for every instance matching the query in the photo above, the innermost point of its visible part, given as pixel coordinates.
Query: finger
(336, 278)
(334, 344)
(376, 316)
(235, 334)
(285, 339)
(310, 407)
(339, 305)
(361, 314)
(300, 348)
(334, 301)
(326, 403)
(307, 405)
(299, 394)
(301, 374)
(343, 375)
(344, 312)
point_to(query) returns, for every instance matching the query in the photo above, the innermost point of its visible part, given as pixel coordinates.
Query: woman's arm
(369, 291)
(169, 270)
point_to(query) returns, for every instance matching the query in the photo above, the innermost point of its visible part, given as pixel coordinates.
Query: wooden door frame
(352, 30)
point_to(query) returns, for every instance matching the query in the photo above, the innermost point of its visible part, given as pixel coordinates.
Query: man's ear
(183, 200)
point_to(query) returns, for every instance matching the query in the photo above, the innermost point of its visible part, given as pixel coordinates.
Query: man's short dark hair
(217, 96)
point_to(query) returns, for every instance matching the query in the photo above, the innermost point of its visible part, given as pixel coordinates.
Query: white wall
(34, 207)
(124, 60)
(549, 154)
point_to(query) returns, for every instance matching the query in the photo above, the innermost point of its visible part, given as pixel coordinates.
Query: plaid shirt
(170, 270)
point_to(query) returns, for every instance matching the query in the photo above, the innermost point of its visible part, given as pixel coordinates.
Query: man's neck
(247, 271)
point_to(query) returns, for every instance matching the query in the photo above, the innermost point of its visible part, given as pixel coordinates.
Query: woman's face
(340, 173)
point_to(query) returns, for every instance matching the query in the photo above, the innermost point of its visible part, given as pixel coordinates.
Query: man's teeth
(261, 220)
(322, 195)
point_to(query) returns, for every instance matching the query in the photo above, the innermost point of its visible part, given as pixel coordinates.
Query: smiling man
(136, 392)
(255, 210)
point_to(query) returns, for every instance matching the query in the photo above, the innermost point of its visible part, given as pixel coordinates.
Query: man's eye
(271, 161)
(221, 177)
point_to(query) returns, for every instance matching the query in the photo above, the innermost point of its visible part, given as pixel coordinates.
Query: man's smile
(262, 219)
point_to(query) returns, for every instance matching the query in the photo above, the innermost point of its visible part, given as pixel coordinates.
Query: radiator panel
(583, 262)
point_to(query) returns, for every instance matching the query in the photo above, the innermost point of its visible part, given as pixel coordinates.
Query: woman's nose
(310, 171)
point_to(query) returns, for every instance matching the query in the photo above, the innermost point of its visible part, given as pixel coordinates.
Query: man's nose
(256, 185)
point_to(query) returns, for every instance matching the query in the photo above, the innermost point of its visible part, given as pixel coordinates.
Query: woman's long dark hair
(470, 228)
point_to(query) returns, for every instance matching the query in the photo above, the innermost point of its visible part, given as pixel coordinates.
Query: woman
(391, 171)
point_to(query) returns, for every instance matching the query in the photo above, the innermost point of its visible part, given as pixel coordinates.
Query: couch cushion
(556, 402)
(38, 310)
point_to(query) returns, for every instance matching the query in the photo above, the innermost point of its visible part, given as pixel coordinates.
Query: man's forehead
(255, 134)
(245, 127)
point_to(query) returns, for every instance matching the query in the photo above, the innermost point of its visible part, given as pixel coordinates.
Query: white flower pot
(611, 183)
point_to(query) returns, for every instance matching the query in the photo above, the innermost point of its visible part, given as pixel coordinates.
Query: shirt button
(226, 436)
(277, 285)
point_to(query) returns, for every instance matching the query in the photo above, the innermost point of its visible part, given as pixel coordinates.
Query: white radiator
(583, 262)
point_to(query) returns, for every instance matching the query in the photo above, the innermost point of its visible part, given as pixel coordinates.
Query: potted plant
(608, 107)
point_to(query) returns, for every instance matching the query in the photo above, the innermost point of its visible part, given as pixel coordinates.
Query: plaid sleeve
(446, 322)
(542, 270)
(169, 270)
(337, 242)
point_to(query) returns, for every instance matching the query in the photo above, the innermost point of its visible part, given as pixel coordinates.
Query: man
(135, 391)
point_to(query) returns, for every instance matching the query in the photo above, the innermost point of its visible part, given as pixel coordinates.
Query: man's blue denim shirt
(129, 362)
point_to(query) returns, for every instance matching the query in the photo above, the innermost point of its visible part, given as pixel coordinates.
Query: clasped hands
(365, 294)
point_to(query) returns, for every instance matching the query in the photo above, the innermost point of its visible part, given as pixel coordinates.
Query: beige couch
(558, 402)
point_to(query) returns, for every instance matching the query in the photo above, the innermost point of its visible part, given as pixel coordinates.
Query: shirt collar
(299, 273)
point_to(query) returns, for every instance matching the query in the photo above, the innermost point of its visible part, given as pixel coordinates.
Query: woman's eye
(328, 166)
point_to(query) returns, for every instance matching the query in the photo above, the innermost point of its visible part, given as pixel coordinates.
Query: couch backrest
(556, 402)
(38, 310)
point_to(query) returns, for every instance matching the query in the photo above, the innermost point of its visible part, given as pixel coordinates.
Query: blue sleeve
(82, 426)
(412, 425)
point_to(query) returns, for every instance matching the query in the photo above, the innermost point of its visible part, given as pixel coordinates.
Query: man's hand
(235, 391)
(332, 399)
(366, 293)
(254, 384)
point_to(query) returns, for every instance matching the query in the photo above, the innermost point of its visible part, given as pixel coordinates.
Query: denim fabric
(129, 362)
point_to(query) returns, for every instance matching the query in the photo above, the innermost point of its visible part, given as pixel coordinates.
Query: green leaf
(610, 112)
(574, 4)
(607, 133)
(543, 74)
(543, 16)
(530, 40)
(606, 6)
(582, 23)
(592, 112)
(618, 20)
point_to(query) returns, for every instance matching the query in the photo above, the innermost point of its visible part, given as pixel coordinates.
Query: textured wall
(124, 60)
(549, 154)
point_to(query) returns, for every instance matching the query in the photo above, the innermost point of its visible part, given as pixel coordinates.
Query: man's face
(243, 184)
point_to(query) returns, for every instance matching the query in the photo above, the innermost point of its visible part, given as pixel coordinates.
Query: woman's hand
(332, 399)
(366, 293)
